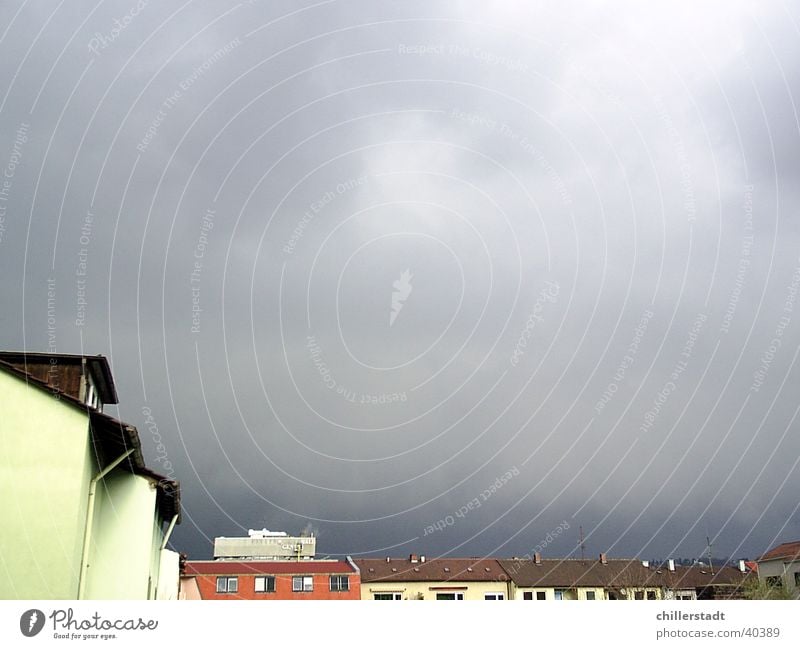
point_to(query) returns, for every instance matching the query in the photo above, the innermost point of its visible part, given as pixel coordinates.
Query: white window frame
(265, 584)
(457, 596)
(494, 597)
(394, 596)
(339, 579)
(228, 581)
(306, 584)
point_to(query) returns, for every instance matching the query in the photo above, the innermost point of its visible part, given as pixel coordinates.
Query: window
(797, 579)
(303, 584)
(774, 582)
(559, 594)
(227, 584)
(527, 595)
(651, 594)
(638, 595)
(265, 584)
(450, 596)
(589, 594)
(340, 583)
(494, 596)
(389, 596)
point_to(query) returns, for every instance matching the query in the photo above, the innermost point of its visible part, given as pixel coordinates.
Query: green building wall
(46, 468)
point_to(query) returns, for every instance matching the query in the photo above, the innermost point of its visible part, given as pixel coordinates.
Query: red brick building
(313, 579)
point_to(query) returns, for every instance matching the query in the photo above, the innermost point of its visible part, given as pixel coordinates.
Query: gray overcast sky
(424, 276)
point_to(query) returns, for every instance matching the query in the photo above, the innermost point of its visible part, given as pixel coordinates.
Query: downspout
(87, 535)
(168, 533)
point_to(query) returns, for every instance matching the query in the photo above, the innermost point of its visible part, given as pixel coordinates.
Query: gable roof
(694, 577)
(442, 569)
(573, 573)
(68, 369)
(789, 551)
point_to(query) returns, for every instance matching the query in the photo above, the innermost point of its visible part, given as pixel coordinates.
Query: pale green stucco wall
(169, 575)
(46, 467)
(122, 553)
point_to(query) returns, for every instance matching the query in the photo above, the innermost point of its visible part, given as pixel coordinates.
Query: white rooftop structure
(266, 546)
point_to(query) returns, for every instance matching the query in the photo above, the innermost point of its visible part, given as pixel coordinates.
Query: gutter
(87, 535)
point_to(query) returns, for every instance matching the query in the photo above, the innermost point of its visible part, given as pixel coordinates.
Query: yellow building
(579, 579)
(433, 579)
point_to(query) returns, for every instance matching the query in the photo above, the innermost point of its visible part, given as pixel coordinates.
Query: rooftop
(789, 550)
(421, 569)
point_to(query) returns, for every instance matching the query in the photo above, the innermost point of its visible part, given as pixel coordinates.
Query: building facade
(418, 578)
(780, 567)
(86, 518)
(540, 579)
(270, 580)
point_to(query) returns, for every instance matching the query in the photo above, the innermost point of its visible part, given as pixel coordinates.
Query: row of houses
(478, 578)
(86, 518)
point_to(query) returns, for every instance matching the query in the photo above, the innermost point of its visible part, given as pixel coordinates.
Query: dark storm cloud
(596, 208)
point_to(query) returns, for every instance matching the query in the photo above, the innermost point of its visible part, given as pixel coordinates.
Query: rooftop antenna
(710, 566)
(583, 545)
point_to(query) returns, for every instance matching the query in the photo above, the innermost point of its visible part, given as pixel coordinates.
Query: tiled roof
(572, 573)
(442, 569)
(790, 550)
(692, 577)
(267, 567)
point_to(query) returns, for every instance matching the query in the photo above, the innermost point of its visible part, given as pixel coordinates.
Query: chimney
(422, 558)
(742, 566)
(671, 565)
(413, 558)
(537, 558)
(646, 564)
(388, 559)
(603, 558)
